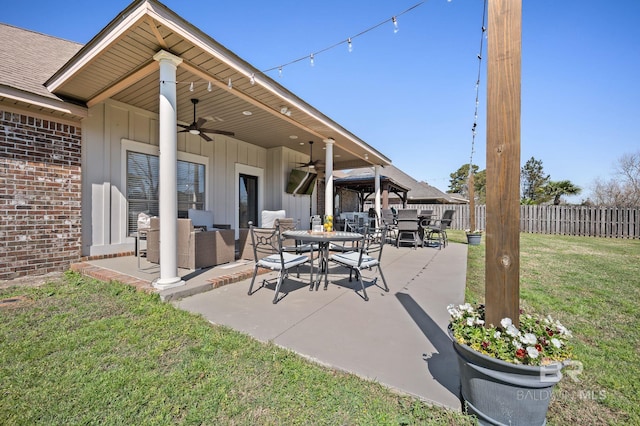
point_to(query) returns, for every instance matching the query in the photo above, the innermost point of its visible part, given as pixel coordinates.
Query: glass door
(248, 202)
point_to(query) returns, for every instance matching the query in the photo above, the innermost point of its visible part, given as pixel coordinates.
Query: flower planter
(501, 393)
(474, 239)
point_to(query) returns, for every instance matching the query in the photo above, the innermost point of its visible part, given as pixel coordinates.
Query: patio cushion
(269, 217)
(201, 218)
(351, 258)
(290, 260)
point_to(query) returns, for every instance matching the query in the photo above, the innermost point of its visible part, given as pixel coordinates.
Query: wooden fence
(610, 222)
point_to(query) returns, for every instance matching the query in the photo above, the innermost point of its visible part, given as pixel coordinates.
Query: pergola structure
(365, 186)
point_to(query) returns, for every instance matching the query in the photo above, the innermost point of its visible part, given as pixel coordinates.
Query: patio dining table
(323, 239)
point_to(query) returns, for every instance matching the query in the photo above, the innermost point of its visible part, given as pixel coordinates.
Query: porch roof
(118, 64)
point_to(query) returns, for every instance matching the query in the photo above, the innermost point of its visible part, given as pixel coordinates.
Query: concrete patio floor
(397, 338)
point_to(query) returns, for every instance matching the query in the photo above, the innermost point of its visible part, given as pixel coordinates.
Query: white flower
(497, 335)
(557, 343)
(563, 330)
(505, 322)
(454, 312)
(516, 344)
(532, 352)
(528, 339)
(479, 321)
(470, 321)
(512, 331)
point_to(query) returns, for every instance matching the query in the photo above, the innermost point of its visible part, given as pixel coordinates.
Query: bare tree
(624, 189)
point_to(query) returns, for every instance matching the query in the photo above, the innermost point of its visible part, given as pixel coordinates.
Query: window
(143, 187)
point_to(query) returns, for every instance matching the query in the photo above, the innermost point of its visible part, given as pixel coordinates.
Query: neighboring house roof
(418, 191)
(27, 60)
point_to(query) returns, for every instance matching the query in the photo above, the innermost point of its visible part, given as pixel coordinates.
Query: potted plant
(474, 237)
(507, 373)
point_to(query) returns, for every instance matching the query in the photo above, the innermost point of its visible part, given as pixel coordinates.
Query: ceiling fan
(196, 128)
(311, 164)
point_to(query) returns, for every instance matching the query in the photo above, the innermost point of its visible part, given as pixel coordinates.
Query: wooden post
(472, 200)
(502, 274)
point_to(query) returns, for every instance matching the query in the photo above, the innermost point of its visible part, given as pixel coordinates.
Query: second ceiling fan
(196, 128)
(310, 164)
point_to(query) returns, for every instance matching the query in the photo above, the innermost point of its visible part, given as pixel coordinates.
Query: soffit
(118, 64)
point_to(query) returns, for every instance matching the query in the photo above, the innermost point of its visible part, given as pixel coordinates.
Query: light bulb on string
(312, 60)
(252, 79)
(349, 45)
(395, 24)
(191, 87)
(209, 88)
(280, 71)
(230, 85)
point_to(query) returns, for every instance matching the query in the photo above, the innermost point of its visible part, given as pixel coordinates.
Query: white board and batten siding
(112, 127)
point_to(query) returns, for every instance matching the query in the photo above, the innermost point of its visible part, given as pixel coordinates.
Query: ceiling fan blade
(184, 126)
(205, 137)
(200, 122)
(216, 131)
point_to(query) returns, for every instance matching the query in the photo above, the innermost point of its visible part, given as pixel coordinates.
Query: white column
(328, 173)
(168, 173)
(377, 195)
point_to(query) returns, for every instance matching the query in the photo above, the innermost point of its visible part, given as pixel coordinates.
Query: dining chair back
(408, 227)
(268, 253)
(439, 229)
(367, 256)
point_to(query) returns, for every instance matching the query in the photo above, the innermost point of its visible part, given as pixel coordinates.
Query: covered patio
(151, 83)
(397, 338)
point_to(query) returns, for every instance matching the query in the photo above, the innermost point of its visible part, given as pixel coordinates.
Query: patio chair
(367, 256)
(268, 253)
(196, 249)
(389, 221)
(291, 245)
(439, 228)
(408, 227)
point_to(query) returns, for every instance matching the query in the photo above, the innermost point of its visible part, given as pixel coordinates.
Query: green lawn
(592, 285)
(79, 351)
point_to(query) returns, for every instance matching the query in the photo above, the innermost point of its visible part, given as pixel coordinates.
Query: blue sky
(411, 94)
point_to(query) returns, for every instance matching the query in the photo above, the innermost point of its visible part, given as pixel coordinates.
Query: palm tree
(556, 189)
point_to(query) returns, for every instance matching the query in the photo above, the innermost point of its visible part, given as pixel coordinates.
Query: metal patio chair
(268, 253)
(408, 227)
(439, 228)
(367, 256)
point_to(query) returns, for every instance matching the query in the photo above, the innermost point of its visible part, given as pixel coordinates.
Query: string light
(348, 41)
(311, 57)
(477, 88)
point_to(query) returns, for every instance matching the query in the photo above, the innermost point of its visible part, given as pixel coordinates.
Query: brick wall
(40, 195)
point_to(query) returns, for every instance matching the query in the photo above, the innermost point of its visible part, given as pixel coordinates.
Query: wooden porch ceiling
(118, 64)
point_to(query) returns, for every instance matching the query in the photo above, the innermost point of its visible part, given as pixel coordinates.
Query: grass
(592, 285)
(79, 351)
